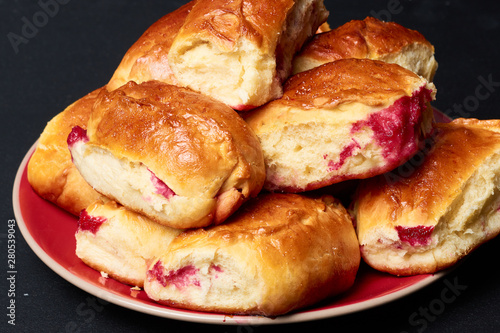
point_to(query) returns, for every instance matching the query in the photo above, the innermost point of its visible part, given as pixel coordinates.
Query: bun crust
(278, 253)
(373, 39)
(123, 244)
(147, 59)
(348, 119)
(51, 172)
(175, 140)
(439, 213)
(247, 44)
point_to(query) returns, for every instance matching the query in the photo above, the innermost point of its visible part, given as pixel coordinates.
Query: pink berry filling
(180, 278)
(77, 134)
(161, 187)
(87, 222)
(214, 270)
(397, 128)
(415, 236)
(347, 152)
(243, 107)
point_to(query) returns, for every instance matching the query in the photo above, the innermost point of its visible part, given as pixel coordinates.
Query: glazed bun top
(188, 140)
(225, 22)
(366, 38)
(370, 82)
(373, 39)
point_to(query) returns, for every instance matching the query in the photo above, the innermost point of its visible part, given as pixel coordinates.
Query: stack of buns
(192, 170)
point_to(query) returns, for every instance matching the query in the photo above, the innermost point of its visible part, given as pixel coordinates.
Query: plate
(49, 231)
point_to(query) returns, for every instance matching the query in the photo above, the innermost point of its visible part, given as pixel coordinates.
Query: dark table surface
(75, 49)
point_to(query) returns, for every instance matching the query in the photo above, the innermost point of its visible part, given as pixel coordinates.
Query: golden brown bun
(278, 253)
(372, 39)
(427, 215)
(348, 119)
(51, 172)
(147, 59)
(120, 243)
(153, 137)
(247, 45)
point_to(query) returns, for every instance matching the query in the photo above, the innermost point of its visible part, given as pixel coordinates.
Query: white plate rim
(208, 318)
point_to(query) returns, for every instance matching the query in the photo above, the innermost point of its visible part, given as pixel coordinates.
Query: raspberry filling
(243, 107)
(77, 134)
(214, 270)
(161, 187)
(347, 152)
(87, 222)
(397, 128)
(415, 236)
(182, 277)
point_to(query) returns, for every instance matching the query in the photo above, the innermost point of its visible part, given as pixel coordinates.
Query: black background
(77, 50)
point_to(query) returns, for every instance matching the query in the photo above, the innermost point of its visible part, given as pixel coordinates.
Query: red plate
(49, 232)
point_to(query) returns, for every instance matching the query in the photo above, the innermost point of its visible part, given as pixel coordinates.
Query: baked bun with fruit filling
(239, 52)
(146, 59)
(278, 253)
(116, 241)
(174, 155)
(348, 119)
(51, 172)
(426, 220)
(373, 39)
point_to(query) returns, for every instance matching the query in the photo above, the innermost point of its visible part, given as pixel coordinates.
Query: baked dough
(120, 243)
(146, 59)
(348, 119)
(278, 253)
(51, 172)
(174, 155)
(373, 39)
(428, 215)
(240, 52)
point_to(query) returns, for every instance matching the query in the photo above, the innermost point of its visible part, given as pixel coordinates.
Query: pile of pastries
(209, 169)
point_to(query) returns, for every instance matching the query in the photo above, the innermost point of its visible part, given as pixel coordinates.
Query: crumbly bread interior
(130, 183)
(251, 59)
(416, 57)
(224, 282)
(123, 244)
(247, 72)
(295, 156)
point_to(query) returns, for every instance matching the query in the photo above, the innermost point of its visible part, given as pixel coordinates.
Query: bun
(348, 119)
(372, 39)
(118, 242)
(247, 45)
(51, 173)
(278, 253)
(174, 155)
(147, 59)
(446, 207)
